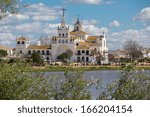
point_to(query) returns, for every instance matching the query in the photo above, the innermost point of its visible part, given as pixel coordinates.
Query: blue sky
(121, 20)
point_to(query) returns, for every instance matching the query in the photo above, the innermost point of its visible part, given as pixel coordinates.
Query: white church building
(79, 42)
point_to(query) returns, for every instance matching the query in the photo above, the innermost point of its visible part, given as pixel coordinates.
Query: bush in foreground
(131, 85)
(18, 82)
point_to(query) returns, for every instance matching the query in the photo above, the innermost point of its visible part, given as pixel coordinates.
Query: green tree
(36, 59)
(63, 57)
(3, 53)
(18, 82)
(72, 87)
(10, 6)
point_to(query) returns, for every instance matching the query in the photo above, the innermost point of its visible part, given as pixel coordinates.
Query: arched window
(59, 41)
(43, 52)
(29, 52)
(47, 52)
(60, 34)
(87, 52)
(33, 51)
(79, 52)
(38, 51)
(83, 58)
(63, 35)
(87, 59)
(23, 42)
(62, 41)
(47, 58)
(83, 51)
(18, 42)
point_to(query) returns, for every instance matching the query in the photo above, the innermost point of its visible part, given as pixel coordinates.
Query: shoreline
(82, 68)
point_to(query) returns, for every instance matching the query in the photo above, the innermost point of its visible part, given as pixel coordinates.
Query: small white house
(7, 49)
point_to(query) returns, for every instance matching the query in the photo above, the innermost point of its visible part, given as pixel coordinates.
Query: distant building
(119, 53)
(7, 49)
(146, 52)
(79, 42)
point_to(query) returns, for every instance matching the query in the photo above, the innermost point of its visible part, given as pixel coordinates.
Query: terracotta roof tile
(82, 47)
(77, 32)
(2, 47)
(87, 43)
(22, 39)
(37, 47)
(91, 38)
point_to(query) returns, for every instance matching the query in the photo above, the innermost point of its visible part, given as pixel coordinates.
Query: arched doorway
(62, 49)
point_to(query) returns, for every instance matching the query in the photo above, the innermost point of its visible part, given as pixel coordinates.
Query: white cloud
(90, 22)
(41, 12)
(12, 19)
(22, 17)
(92, 27)
(34, 22)
(7, 39)
(94, 30)
(115, 23)
(29, 27)
(91, 1)
(116, 40)
(41, 17)
(53, 25)
(7, 36)
(143, 15)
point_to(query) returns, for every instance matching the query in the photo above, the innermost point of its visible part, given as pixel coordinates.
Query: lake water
(106, 76)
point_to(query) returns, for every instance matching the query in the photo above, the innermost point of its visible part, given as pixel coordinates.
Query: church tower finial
(63, 29)
(77, 25)
(63, 13)
(78, 18)
(63, 17)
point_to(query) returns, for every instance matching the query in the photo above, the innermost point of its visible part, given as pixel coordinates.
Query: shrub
(17, 81)
(131, 85)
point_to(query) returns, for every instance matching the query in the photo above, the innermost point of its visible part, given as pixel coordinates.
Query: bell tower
(63, 29)
(77, 25)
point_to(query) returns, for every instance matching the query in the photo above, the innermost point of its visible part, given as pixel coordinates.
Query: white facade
(79, 42)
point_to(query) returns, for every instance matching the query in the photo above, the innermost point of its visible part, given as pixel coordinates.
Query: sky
(121, 20)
